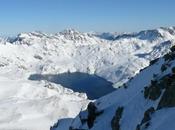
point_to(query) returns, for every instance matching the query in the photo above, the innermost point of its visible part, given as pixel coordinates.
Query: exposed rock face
(168, 98)
(91, 114)
(147, 115)
(115, 123)
(153, 91)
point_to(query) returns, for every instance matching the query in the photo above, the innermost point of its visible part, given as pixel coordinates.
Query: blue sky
(85, 15)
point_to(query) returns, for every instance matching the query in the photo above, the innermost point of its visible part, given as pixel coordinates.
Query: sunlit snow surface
(36, 105)
(134, 103)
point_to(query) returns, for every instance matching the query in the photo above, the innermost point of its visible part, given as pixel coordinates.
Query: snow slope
(132, 99)
(24, 102)
(114, 60)
(34, 106)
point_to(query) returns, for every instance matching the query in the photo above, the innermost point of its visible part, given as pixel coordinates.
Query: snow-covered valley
(36, 105)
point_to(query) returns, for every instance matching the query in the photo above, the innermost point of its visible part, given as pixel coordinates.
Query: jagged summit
(80, 37)
(67, 35)
(69, 31)
(75, 36)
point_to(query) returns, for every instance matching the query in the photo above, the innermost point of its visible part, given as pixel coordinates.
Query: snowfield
(30, 105)
(37, 105)
(132, 99)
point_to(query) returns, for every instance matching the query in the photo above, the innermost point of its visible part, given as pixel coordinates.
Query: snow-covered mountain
(24, 102)
(147, 102)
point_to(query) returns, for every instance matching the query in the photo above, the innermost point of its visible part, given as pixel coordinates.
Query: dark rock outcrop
(115, 123)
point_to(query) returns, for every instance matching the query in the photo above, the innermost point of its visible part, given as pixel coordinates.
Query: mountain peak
(69, 31)
(74, 35)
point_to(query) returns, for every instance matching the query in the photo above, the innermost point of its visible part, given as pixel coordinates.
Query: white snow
(30, 105)
(134, 103)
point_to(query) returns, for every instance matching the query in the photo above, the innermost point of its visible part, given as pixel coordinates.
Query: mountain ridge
(26, 101)
(151, 104)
